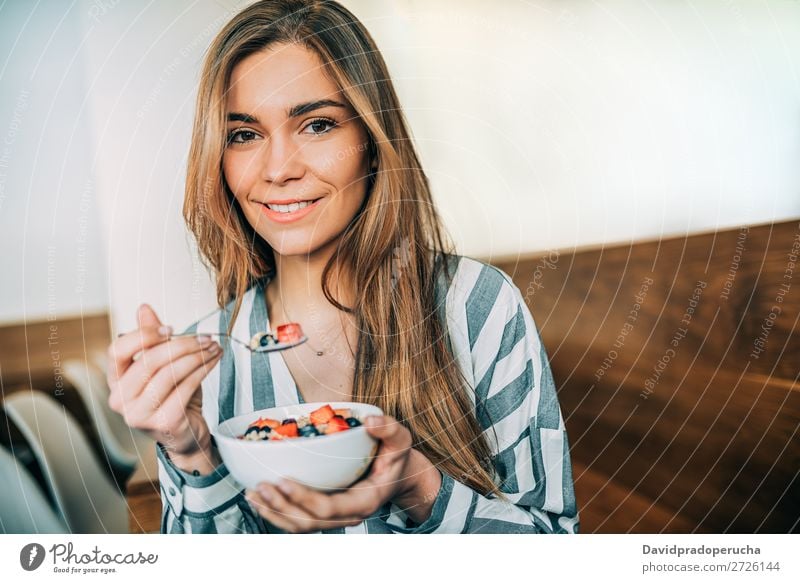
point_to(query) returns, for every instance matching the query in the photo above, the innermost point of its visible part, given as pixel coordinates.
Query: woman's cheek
(236, 175)
(344, 161)
(228, 171)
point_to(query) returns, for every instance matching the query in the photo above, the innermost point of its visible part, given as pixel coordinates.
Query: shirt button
(171, 491)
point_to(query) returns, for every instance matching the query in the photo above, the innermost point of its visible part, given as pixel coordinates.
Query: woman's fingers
(149, 332)
(154, 360)
(168, 365)
(354, 502)
(146, 316)
(124, 348)
(182, 375)
(395, 442)
(280, 510)
(174, 406)
(317, 503)
(173, 419)
(271, 505)
(386, 428)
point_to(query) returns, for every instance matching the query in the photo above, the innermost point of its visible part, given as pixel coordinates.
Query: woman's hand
(398, 473)
(159, 392)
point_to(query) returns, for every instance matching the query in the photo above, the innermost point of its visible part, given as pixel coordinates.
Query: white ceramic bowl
(325, 462)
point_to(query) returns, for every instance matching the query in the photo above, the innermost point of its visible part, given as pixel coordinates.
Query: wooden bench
(677, 363)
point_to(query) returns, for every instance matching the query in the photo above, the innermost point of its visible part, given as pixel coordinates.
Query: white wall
(51, 260)
(543, 124)
(551, 124)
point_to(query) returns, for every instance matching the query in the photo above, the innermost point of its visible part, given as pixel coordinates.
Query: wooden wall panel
(31, 353)
(678, 363)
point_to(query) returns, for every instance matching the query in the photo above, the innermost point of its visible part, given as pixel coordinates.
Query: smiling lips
(287, 211)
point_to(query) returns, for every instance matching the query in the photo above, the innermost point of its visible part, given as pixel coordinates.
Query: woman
(308, 201)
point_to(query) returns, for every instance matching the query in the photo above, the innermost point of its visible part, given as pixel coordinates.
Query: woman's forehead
(278, 78)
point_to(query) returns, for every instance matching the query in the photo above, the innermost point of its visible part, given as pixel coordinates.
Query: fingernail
(213, 349)
(204, 340)
(286, 487)
(165, 330)
(264, 491)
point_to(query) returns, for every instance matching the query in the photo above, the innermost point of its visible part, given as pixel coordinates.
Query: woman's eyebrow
(294, 111)
(303, 108)
(234, 116)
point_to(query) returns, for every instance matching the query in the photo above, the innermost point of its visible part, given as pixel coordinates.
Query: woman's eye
(241, 136)
(320, 126)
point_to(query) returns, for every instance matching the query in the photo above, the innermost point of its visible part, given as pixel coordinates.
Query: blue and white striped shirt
(499, 350)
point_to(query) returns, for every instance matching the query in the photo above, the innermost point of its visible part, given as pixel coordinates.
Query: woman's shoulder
(474, 283)
(482, 304)
(487, 319)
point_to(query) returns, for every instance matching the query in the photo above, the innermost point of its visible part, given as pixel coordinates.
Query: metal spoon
(260, 342)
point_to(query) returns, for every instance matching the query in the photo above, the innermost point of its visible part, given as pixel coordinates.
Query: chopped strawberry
(287, 429)
(289, 333)
(336, 424)
(322, 415)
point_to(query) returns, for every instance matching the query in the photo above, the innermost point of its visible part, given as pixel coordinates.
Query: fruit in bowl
(321, 445)
(322, 421)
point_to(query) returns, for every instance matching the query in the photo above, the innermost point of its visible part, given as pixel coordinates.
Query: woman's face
(293, 137)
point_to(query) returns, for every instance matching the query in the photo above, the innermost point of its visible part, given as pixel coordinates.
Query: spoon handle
(221, 334)
(195, 334)
(259, 349)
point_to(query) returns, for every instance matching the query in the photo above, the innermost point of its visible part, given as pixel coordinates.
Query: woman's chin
(288, 247)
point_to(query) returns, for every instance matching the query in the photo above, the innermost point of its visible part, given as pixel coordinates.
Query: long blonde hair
(403, 364)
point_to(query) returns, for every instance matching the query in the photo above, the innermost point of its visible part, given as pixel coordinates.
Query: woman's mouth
(285, 213)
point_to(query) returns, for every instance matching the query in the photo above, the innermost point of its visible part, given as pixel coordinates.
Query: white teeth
(289, 208)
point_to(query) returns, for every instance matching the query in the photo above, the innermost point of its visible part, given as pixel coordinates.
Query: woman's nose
(281, 160)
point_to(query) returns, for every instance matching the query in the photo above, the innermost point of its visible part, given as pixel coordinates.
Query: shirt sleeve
(212, 503)
(517, 405)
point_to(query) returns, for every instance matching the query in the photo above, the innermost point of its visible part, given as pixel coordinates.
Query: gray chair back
(86, 499)
(24, 509)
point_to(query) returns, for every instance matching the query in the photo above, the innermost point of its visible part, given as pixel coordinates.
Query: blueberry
(308, 431)
(353, 422)
(266, 340)
(289, 420)
(251, 430)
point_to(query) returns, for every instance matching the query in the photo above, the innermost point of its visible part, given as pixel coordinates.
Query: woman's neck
(296, 287)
